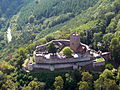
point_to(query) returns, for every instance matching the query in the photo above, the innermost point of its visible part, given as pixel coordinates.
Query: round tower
(74, 41)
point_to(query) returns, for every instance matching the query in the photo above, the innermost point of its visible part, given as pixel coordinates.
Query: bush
(67, 52)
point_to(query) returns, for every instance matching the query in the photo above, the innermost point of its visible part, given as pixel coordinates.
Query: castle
(82, 56)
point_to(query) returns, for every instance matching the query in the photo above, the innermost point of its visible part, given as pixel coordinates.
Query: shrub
(67, 52)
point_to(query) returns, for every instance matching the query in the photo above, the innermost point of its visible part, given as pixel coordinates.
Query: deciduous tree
(51, 48)
(58, 84)
(83, 85)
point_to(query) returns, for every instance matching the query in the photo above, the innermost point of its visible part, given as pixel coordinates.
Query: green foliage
(10, 7)
(58, 84)
(109, 16)
(22, 78)
(112, 26)
(49, 38)
(35, 85)
(106, 81)
(47, 77)
(96, 39)
(22, 52)
(83, 85)
(107, 74)
(109, 66)
(20, 57)
(30, 48)
(9, 85)
(101, 17)
(115, 48)
(70, 83)
(67, 52)
(52, 49)
(6, 68)
(118, 75)
(106, 84)
(86, 76)
(1, 78)
(107, 39)
(34, 19)
(54, 8)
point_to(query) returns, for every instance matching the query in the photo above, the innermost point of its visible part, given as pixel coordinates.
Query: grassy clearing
(100, 59)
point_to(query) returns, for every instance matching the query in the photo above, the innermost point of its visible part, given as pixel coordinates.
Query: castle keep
(74, 41)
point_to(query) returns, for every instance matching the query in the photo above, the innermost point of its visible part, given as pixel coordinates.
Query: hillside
(36, 16)
(103, 12)
(10, 7)
(95, 19)
(92, 20)
(44, 9)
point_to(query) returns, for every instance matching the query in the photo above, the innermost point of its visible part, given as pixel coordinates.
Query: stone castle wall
(41, 59)
(95, 64)
(60, 66)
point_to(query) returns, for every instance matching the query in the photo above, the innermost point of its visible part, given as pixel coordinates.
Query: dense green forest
(35, 22)
(36, 16)
(10, 7)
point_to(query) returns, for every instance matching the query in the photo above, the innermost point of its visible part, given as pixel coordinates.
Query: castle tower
(74, 41)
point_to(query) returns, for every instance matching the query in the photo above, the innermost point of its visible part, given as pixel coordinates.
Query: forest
(36, 22)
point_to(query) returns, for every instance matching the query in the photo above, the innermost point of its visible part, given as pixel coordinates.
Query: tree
(19, 60)
(83, 85)
(107, 74)
(22, 52)
(67, 52)
(31, 48)
(1, 78)
(20, 57)
(118, 76)
(97, 38)
(35, 85)
(109, 16)
(51, 48)
(117, 5)
(6, 68)
(109, 66)
(86, 76)
(27, 88)
(107, 39)
(106, 81)
(70, 83)
(105, 84)
(9, 85)
(115, 49)
(58, 84)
